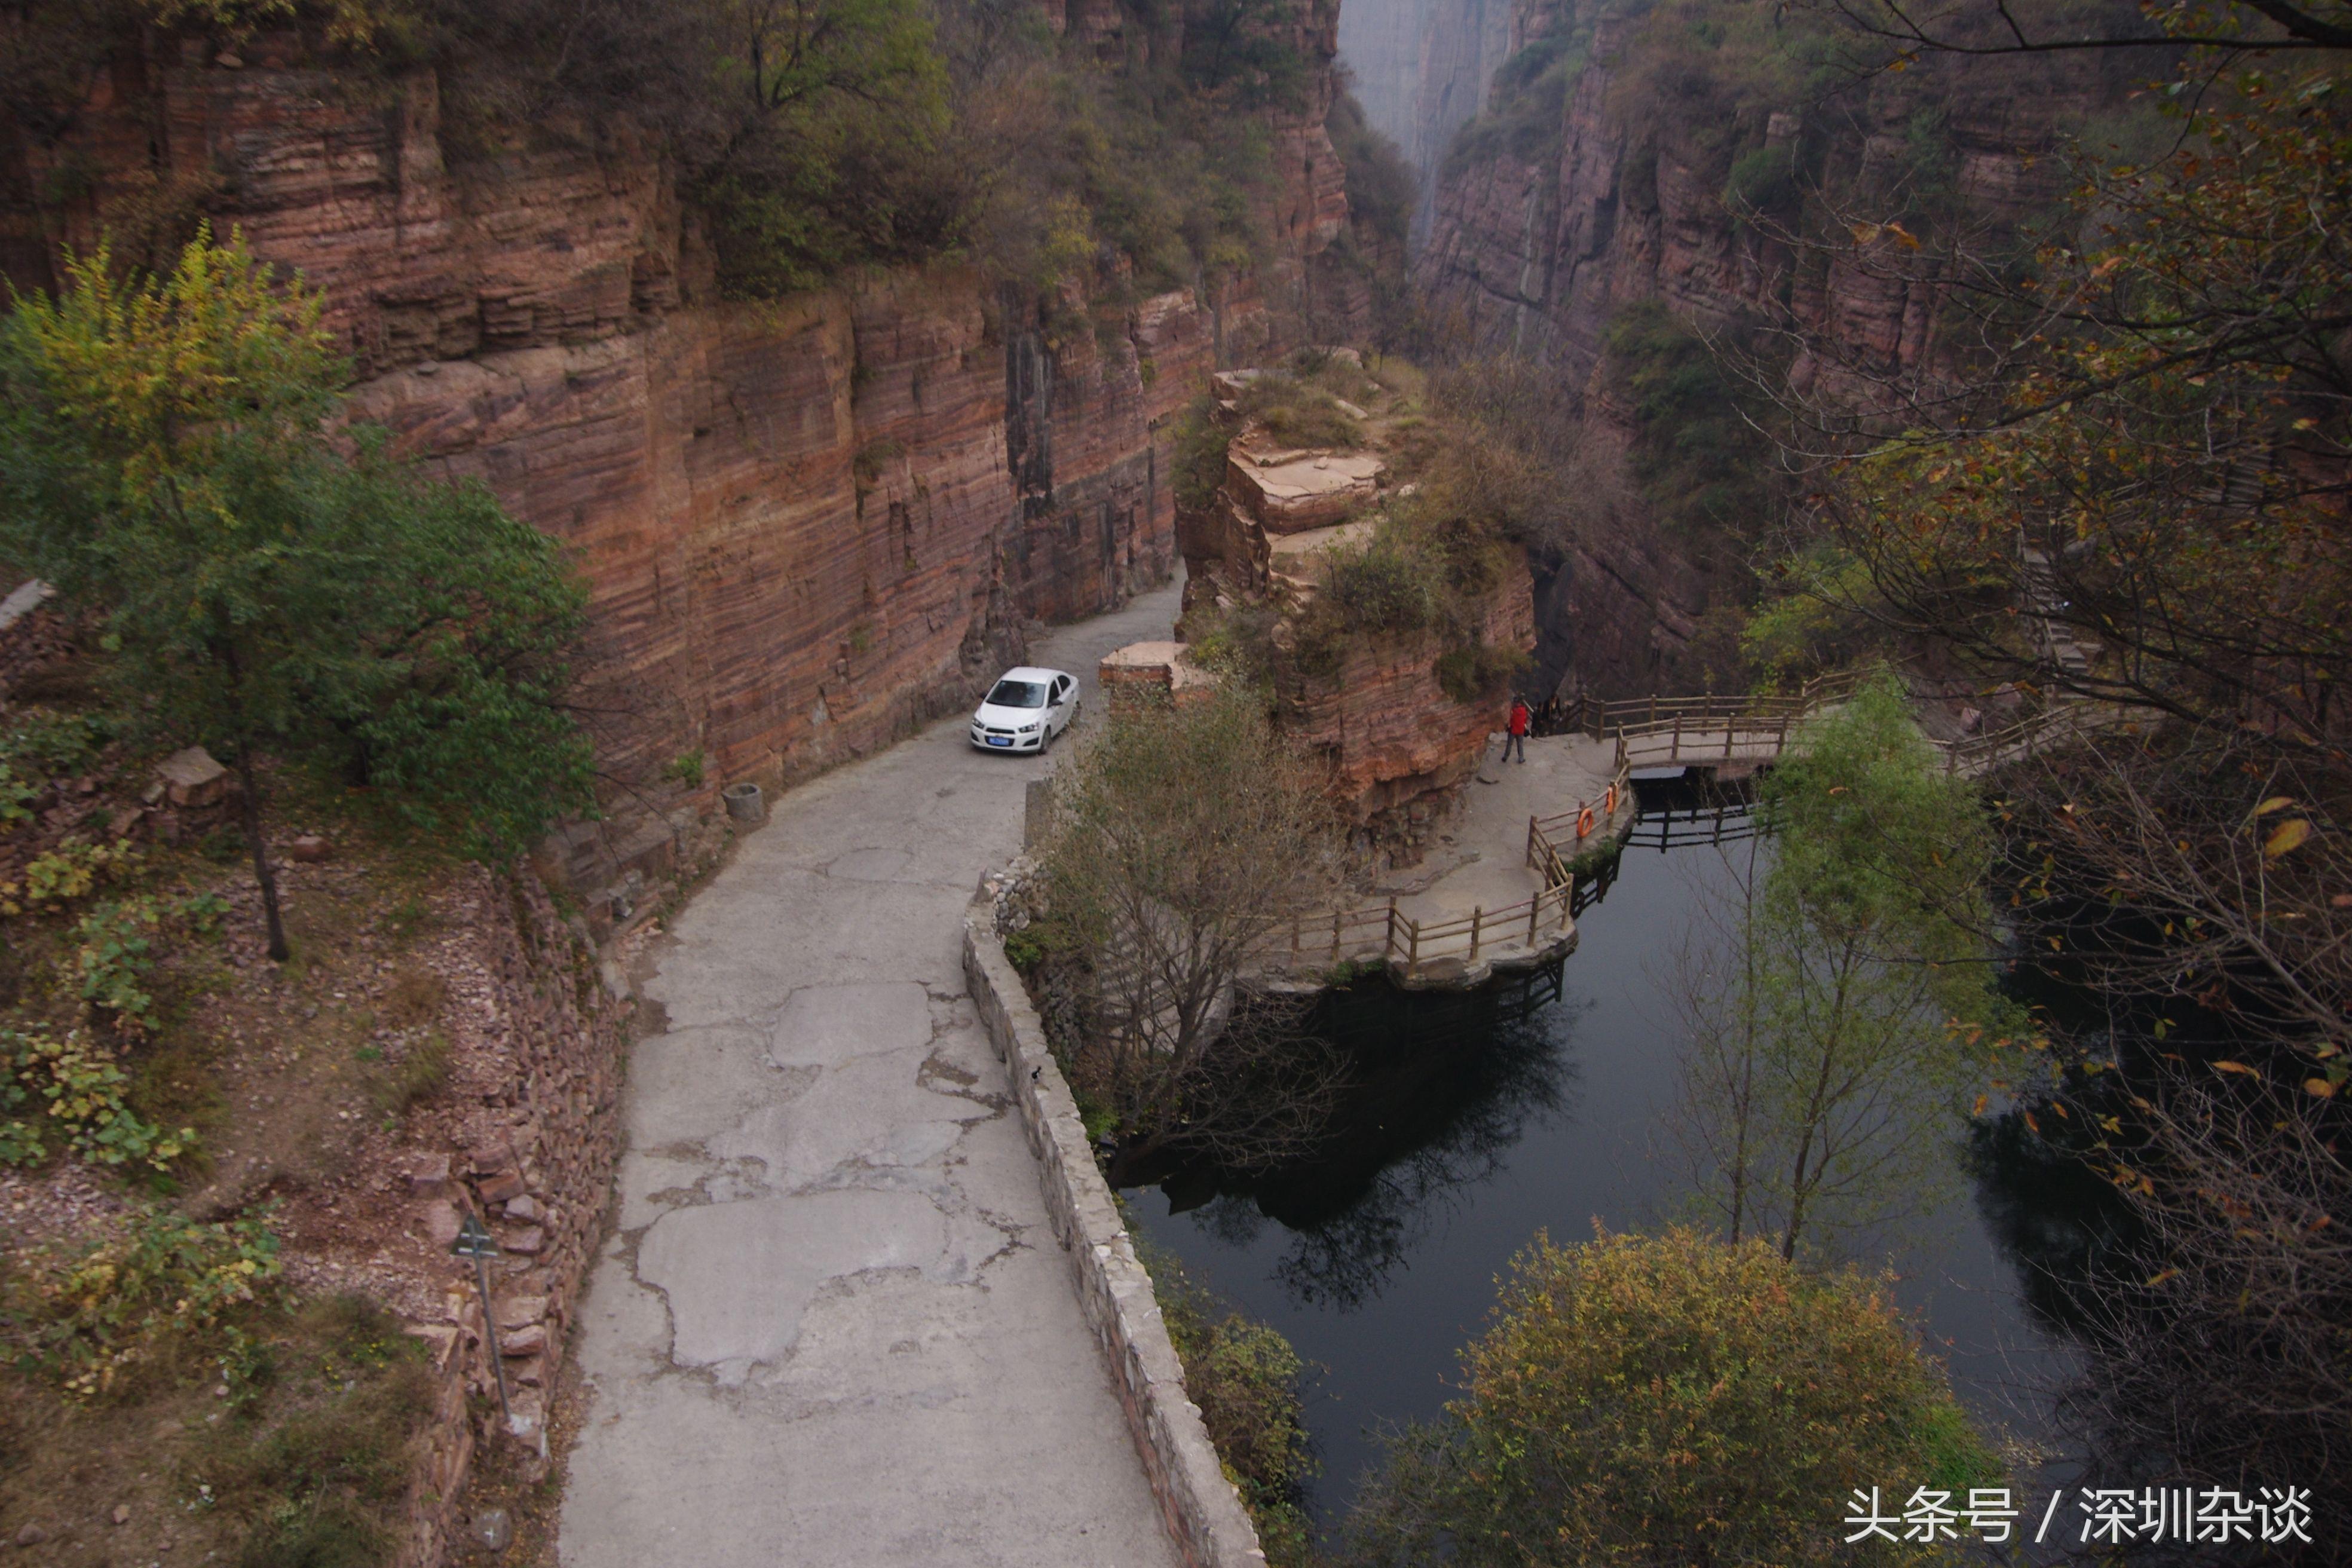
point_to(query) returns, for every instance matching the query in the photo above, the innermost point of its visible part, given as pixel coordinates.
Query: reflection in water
(2062, 1224)
(1443, 1084)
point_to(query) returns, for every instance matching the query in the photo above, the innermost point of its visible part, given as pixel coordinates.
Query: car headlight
(1031, 729)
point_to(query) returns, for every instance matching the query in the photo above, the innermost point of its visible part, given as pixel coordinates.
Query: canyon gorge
(807, 524)
(1581, 161)
(811, 522)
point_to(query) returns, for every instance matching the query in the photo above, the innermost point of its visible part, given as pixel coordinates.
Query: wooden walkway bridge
(1656, 733)
(1465, 951)
(1652, 733)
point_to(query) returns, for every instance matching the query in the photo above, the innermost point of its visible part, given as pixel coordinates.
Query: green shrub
(16, 797)
(1197, 462)
(43, 744)
(69, 1094)
(1386, 585)
(1526, 111)
(1478, 673)
(70, 870)
(1237, 643)
(155, 1275)
(1245, 1378)
(1702, 465)
(686, 768)
(1670, 1399)
(1298, 414)
(420, 1074)
(1763, 180)
(113, 957)
(319, 1457)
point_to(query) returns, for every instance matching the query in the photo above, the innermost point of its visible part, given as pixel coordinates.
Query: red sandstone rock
(804, 526)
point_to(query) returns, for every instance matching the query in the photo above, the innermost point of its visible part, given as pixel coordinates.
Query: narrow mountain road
(832, 1328)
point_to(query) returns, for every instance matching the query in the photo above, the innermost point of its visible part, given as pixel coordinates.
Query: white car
(1025, 709)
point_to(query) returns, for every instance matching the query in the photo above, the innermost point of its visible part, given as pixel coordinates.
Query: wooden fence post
(1337, 916)
(1477, 918)
(1412, 947)
(1534, 908)
(1388, 936)
(1675, 754)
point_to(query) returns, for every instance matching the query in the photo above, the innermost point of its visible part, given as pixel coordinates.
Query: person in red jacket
(1518, 735)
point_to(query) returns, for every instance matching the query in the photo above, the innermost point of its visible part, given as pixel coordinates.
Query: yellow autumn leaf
(1863, 233)
(2235, 1067)
(2275, 803)
(2285, 836)
(2320, 1087)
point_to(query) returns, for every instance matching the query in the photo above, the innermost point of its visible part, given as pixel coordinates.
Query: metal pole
(491, 1329)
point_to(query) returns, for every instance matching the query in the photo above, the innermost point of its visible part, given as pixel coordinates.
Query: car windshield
(1017, 694)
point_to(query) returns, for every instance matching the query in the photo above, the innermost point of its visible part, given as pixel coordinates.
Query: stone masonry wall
(1202, 1509)
(532, 1156)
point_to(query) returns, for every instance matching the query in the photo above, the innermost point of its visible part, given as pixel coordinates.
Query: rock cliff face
(1421, 70)
(1540, 241)
(1374, 705)
(806, 526)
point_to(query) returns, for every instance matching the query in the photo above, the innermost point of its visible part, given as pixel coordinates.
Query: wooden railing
(1658, 732)
(1656, 715)
(1390, 935)
(1387, 933)
(1548, 835)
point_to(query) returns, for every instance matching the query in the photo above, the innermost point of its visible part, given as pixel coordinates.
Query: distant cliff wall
(1608, 171)
(1421, 69)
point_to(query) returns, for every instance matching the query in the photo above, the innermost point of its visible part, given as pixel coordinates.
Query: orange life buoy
(1608, 802)
(1584, 823)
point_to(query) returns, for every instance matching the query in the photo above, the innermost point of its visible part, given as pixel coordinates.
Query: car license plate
(1000, 739)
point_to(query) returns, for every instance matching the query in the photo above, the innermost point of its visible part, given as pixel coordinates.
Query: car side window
(1061, 689)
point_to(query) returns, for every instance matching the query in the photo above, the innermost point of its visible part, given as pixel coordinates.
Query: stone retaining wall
(1202, 1511)
(534, 1160)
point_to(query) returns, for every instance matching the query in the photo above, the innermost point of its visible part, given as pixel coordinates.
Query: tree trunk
(250, 795)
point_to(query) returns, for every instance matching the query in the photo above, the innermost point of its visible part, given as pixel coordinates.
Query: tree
(267, 584)
(836, 115)
(1837, 1022)
(1670, 1399)
(2126, 483)
(1185, 838)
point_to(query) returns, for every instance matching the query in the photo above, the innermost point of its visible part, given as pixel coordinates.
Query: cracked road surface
(833, 1327)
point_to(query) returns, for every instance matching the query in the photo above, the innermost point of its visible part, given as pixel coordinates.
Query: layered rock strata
(1398, 743)
(806, 526)
(1535, 249)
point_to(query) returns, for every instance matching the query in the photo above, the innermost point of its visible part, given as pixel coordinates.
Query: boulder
(529, 1340)
(194, 778)
(428, 1175)
(521, 1311)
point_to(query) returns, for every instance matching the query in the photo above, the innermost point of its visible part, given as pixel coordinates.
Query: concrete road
(833, 1328)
